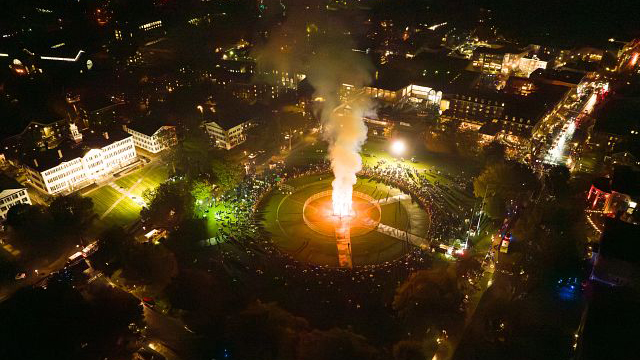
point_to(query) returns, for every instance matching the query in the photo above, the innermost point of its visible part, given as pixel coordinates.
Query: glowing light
(342, 202)
(556, 153)
(398, 147)
(55, 58)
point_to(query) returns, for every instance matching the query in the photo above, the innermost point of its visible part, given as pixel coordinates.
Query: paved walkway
(395, 198)
(402, 235)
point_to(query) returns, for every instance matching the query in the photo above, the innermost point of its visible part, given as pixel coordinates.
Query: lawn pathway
(124, 192)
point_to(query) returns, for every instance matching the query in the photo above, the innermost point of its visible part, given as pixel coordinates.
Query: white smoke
(345, 133)
(327, 58)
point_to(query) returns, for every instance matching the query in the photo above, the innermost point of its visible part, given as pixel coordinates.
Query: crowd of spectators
(254, 253)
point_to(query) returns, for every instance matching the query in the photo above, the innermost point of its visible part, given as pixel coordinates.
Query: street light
(398, 147)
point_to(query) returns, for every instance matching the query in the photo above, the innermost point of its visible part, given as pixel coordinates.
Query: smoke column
(323, 50)
(345, 133)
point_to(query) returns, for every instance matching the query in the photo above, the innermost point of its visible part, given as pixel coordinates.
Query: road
(170, 332)
(552, 139)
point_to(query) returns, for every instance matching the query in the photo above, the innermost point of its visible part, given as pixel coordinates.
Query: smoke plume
(323, 51)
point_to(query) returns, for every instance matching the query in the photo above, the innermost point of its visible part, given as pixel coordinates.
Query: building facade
(11, 193)
(69, 169)
(411, 93)
(152, 138)
(227, 135)
(528, 65)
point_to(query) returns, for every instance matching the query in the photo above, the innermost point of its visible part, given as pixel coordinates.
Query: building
(72, 165)
(228, 133)
(397, 93)
(529, 64)
(152, 136)
(616, 264)
(558, 77)
(617, 196)
(135, 30)
(496, 60)
(617, 124)
(11, 193)
(512, 113)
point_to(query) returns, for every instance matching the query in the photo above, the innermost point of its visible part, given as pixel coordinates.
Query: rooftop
(618, 238)
(497, 51)
(618, 116)
(7, 183)
(146, 126)
(565, 76)
(49, 158)
(626, 181)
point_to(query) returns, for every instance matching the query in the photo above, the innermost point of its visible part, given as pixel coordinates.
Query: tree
(187, 238)
(205, 299)
(227, 174)
(551, 234)
(412, 350)
(112, 311)
(31, 226)
(72, 213)
(191, 155)
(501, 182)
(55, 316)
(168, 204)
(557, 180)
(493, 153)
(434, 293)
(468, 265)
(115, 245)
(149, 265)
(264, 331)
(202, 192)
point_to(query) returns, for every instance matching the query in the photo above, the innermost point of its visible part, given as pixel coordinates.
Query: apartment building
(11, 193)
(152, 136)
(229, 133)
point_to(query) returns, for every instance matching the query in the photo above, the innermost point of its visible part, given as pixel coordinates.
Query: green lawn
(377, 149)
(213, 224)
(103, 198)
(123, 214)
(143, 179)
(126, 211)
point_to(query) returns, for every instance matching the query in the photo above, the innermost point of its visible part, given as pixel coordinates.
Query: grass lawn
(103, 198)
(145, 178)
(311, 153)
(122, 214)
(126, 211)
(377, 149)
(213, 222)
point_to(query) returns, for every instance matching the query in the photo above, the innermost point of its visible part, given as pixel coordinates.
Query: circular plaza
(385, 223)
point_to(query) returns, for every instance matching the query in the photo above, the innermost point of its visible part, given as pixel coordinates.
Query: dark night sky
(578, 21)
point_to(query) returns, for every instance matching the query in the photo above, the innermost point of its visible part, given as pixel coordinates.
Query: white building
(152, 137)
(411, 93)
(11, 193)
(73, 166)
(528, 65)
(228, 134)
